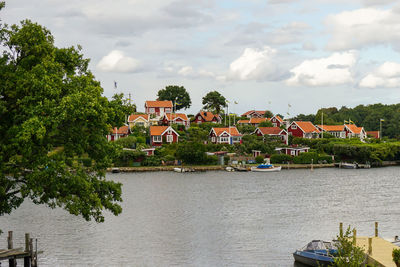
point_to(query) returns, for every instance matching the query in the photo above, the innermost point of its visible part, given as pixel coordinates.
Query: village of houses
(159, 116)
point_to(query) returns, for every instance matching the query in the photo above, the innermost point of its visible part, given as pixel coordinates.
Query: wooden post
(27, 260)
(376, 229)
(341, 229)
(370, 245)
(11, 262)
(354, 237)
(31, 250)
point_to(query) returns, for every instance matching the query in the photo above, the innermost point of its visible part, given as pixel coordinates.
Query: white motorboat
(266, 168)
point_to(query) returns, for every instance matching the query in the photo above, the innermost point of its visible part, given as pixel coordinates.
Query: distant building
(335, 130)
(158, 108)
(162, 134)
(254, 114)
(273, 132)
(225, 135)
(292, 151)
(374, 134)
(175, 118)
(353, 131)
(276, 121)
(117, 133)
(206, 116)
(303, 129)
(139, 120)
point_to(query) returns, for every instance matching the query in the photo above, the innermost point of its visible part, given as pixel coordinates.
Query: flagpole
(322, 124)
(380, 129)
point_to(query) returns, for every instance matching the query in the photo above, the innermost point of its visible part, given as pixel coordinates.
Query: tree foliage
(214, 101)
(268, 114)
(177, 94)
(51, 114)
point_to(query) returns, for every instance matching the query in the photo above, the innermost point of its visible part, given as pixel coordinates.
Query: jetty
(378, 250)
(11, 254)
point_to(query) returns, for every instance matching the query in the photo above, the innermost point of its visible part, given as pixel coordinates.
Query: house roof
(233, 131)
(260, 112)
(173, 116)
(160, 130)
(207, 116)
(278, 118)
(243, 121)
(121, 130)
(270, 130)
(134, 117)
(332, 128)
(353, 128)
(307, 127)
(257, 120)
(374, 134)
(158, 104)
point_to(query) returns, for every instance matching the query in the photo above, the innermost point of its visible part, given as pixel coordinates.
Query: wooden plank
(381, 250)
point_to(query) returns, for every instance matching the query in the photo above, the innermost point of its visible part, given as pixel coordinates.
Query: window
(293, 153)
(224, 139)
(170, 138)
(294, 127)
(152, 110)
(140, 123)
(157, 138)
(213, 139)
(274, 124)
(167, 110)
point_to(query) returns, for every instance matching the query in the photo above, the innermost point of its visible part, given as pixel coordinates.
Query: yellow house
(139, 120)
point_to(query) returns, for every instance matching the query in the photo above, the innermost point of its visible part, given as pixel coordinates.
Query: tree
(265, 124)
(191, 153)
(214, 101)
(177, 94)
(52, 113)
(268, 114)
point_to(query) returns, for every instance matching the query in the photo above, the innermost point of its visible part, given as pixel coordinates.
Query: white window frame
(152, 110)
(213, 139)
(170, 138)
(157, 138)
(274, 124)
(293, 152)
(224, 139)
(294, 127)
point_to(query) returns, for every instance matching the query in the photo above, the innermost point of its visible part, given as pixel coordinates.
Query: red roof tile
(158, 130)
(233, 131)
(208, 116)
(332, 128)
(133, 117)
(260, 112)
(159, 104)
(172, 116)
(270, 130)
(121, 130)
(257, 120)
(354, 129)
(243, 121)
(307, 126)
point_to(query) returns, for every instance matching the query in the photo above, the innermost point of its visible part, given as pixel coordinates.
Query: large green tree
(177, 94)
(53, 114)
(214, 101)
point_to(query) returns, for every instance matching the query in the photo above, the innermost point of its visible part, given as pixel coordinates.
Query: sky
(288, 56)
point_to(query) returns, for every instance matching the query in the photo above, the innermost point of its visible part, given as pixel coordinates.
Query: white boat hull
(273, 169)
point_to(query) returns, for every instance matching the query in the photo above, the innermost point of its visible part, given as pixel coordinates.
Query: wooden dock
(378, 249)
(11, 254)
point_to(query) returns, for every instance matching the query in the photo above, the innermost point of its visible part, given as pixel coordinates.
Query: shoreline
(222, 168)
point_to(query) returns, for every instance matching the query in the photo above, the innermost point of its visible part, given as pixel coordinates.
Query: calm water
(215, 218)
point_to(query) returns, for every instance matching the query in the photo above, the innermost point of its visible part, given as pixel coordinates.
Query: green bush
(191, 153)
(306, 158)
(259, 159)
(151, 161)
(87, 162)
(281, 158)
(127, 142)
(211, 160)
(127, 157)
(325, 158)
(396, 256)
(169, 158)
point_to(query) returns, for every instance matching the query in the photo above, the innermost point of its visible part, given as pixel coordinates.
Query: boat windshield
(319, 245)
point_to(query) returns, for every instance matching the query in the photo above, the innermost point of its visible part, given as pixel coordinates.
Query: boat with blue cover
(316, 253)
(266, 168)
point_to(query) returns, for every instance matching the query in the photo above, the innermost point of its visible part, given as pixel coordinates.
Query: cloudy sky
(263, 54)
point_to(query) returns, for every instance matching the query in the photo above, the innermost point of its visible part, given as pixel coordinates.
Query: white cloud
(363, 27)
(116, 61)
(333, 70)
(386, 75)
(255, 64)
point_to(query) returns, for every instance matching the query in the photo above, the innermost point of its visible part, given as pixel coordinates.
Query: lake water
(215, 218)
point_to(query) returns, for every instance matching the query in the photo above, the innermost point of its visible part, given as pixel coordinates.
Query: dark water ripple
(215, 218)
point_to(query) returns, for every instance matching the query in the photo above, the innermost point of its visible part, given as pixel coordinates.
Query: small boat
(229, 169)
(316, 253)
(348, 165)
(183, 170)
(266, 168)
(115, 170)
(241, 169)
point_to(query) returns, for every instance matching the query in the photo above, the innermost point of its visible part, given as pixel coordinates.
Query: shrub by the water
(281, 158)
(259, 159)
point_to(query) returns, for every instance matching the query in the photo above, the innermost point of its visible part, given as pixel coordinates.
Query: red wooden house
(303, 129)
(162, 135)
(276, 121)
(225, 135)
(273, 132)
(254, 114)
(353, 131)
(373, 134)
(292, 151)
(206, 116)
(117, 133)
(158, 108)
(175, 118)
